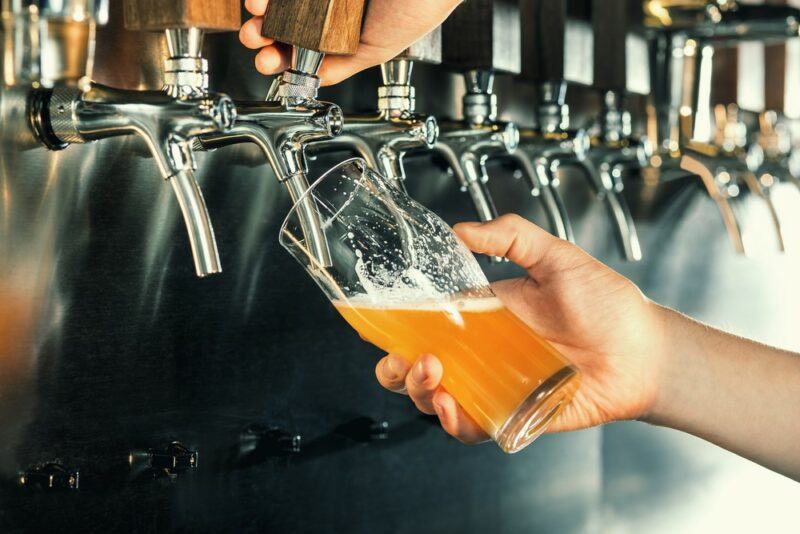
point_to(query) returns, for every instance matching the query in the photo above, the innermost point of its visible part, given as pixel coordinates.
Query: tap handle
(198, 223)
(616, 25)
(557, 41)
(427, 50)
(483, 34)
(775, 72)
(158, 15)
(327, 26)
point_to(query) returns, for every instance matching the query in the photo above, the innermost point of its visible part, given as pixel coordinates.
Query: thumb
(519, 240)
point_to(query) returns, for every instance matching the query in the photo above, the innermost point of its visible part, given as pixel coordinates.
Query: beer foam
(467, 305)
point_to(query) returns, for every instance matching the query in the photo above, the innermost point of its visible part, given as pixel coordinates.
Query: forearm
(736, 393)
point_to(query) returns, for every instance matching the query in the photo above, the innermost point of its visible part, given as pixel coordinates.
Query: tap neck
(480, 103)
(397, 96)
(615, 120)
(299, 83)
(553, 112)
(185, 70)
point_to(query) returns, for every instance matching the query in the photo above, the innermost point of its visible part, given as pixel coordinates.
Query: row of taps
(66, 107)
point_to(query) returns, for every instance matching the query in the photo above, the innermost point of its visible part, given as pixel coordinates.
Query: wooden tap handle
(557, 41)
(329, 26)
(483, 34)
(158, 15)
(621, 57)
(426, 50)
(725, 76)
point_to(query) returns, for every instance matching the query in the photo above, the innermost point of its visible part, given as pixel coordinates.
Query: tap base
(39, 119)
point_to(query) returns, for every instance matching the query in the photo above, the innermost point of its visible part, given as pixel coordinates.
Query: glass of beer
(400, 276)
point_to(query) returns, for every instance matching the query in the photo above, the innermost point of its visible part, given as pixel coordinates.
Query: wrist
(677, 370)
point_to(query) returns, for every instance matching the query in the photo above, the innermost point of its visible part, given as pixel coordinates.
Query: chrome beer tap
(550, 147)
(480, 39)
(612, 153)
(732, 140)
(168, 121)
(770, 158)
(283, 126)
(291, 119)
(467, 144)
(384, 137)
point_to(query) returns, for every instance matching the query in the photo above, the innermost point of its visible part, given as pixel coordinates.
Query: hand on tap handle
(389, 28)
(639, 360)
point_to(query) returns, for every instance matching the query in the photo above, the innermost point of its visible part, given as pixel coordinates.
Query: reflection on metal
(384, 137)
(613, 153)
(97, 356)
(283, 127)
(50, 476)
(467, 144)
(719, 188)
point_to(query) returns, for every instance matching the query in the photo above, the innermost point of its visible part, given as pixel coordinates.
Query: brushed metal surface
(110, 344)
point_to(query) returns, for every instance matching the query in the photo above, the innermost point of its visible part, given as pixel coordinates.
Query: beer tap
(773, 162)
(556, 48)
(474, 46)
(683, 32)
(384, 137)
(168, 120)
(615, 151)
(292, 119)
(770, 157)
(45, 43)
(721, 160)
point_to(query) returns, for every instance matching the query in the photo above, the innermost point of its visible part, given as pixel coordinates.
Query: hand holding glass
(400, 276)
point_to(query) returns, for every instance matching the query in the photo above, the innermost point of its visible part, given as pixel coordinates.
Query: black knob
(170, 459)
(365, 429)
(272, 440)
(50, 476)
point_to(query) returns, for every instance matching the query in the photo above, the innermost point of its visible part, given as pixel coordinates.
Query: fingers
(455, 421)
(271, 60)
(250, 34)
(338, 68)
(256, 7)
(391, 372)
(423, 381)
(515, 238)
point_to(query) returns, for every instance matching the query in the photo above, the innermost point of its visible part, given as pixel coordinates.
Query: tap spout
(168, 126)
(198, 224)
(701, 166)
(606, 179)
(283, 135)
(540, 174)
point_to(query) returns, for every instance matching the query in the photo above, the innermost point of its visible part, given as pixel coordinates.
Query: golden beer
(505, 376)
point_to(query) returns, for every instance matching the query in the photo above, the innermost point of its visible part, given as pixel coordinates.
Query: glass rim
(295, 204)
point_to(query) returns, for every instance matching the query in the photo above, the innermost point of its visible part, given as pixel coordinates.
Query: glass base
(536, 412)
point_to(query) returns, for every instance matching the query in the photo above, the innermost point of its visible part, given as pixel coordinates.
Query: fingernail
(438, 408)
(392, 368)
(419, 373)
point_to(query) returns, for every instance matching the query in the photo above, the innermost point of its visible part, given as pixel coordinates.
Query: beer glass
(399, 276)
